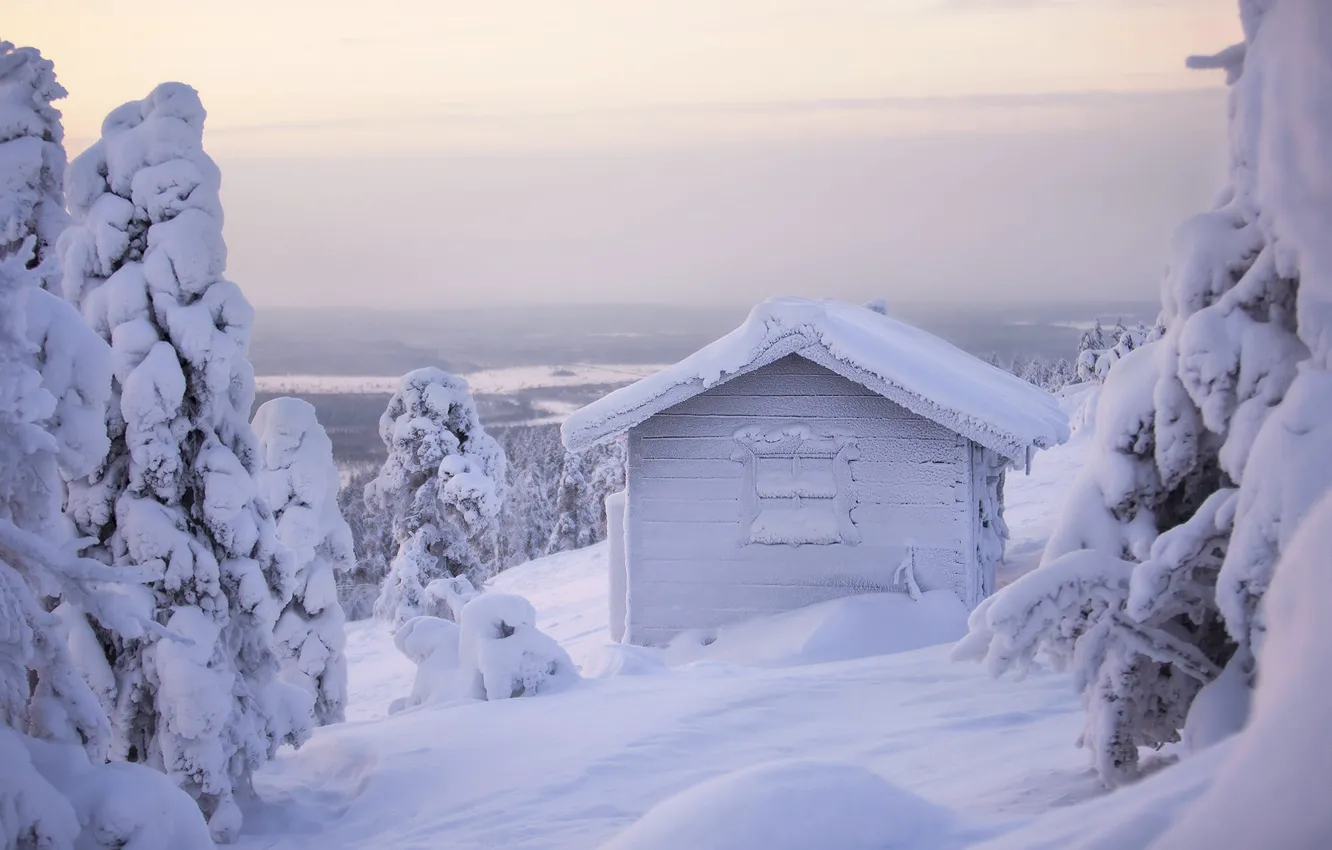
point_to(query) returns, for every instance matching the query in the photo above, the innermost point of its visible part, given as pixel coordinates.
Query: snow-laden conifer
(1214, 438)
(298, 479)
(443, 484)
(177, 496)
(586, 478)
(32, 162)
(54, 734)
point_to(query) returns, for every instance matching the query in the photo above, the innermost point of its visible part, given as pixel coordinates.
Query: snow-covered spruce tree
(443, 484)
(176, 495)
(298, 479)
(1098, 351)
(576, 512)
(372, 536)
(54, 734)
(535, 456)
(1213, 442)
(585, 481)
(32, 162)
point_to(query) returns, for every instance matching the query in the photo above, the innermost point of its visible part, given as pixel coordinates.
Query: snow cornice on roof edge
(924, 374)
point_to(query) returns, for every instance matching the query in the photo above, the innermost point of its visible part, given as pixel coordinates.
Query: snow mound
(792, 805)
(1130, 818)
(916, 369)
(837, 630)
(1219, 710)
(120, 805)
(622, 659)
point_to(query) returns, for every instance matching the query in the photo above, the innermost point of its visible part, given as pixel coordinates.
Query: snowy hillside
(574, 768)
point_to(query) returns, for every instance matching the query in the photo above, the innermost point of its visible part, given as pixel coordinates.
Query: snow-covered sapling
(431, 643)
(443, 484)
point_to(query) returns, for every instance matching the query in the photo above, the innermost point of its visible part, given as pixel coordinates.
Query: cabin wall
(691, 502)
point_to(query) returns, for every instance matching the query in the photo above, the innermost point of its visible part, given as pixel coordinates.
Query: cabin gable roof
(923, 373)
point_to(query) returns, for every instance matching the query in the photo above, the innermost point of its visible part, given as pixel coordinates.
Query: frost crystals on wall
(797, 486)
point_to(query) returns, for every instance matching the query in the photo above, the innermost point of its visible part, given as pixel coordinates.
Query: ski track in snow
(573, 768)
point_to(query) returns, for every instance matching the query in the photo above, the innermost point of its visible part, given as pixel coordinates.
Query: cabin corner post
(633, 473)
(991, 532)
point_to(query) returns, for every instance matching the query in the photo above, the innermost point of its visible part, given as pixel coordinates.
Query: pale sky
(517, 150)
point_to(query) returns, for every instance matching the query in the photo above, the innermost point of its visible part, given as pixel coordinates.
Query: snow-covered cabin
(819, 450)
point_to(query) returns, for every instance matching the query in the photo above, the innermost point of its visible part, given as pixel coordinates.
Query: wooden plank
(794, 364)
(717, 501)
(875, 481)
(723, 510)
(687, 599)
(905, 450)
(760, 383)
(791, 406)
(793, 569)
(684, 488)
(865, 427)
(685, 618)
(642, 468)
(879, 525)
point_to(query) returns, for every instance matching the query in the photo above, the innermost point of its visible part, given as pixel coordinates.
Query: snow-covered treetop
(32, 161)
(299, 480)
(919, 371)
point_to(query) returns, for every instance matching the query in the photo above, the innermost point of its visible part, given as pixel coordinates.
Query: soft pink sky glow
(410, 152)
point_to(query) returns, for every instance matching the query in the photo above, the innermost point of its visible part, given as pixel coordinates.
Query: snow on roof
(919, 371)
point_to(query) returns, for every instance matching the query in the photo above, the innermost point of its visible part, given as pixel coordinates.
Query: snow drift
(837, 630)
(794, 805)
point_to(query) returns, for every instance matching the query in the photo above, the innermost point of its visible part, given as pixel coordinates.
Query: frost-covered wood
(617, 571)
(176, 496)
(990, 532)
(784, 512)
(806, 456)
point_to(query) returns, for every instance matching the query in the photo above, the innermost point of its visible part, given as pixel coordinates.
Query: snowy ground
(573, 768)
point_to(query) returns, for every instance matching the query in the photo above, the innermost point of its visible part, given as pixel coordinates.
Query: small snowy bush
(176, 497)
(32, 163)
(494, 652)
(299, 481)
(443, 484)
(502, 654)
(431, 643)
